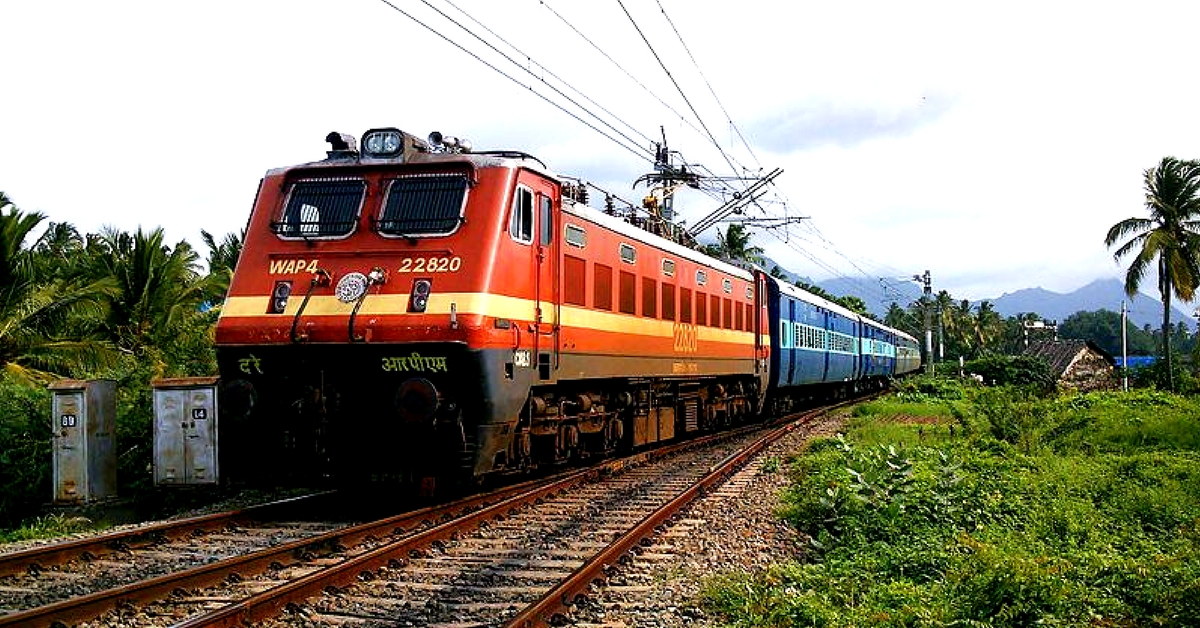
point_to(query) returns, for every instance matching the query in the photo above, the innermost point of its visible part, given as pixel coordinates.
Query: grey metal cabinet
(84, 416)
(185, 431)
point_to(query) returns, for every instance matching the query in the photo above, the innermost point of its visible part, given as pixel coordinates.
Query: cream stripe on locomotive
(494, 305)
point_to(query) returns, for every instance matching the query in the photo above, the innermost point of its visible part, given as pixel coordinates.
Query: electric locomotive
(419, 311)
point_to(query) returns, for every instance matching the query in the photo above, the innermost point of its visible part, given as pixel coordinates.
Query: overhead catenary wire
(627, 73)
(712, 91)
(635, 148)
(558, 78)
(686, 100)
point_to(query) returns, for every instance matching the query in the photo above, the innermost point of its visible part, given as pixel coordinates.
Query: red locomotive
(417, 310)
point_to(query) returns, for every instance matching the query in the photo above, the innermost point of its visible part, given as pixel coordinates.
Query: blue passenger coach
(818, 345)
(814, 341)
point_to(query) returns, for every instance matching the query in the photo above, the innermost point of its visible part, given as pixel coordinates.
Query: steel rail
(57, 553)
(90, 606)
(271, 602)
(554, 604)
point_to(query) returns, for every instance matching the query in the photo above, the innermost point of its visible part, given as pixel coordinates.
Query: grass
(49, 526)
(1003, 509)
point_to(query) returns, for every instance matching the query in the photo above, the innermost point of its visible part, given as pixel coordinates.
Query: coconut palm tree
(222, 259)
(158, 287)
(40, 334)
(989, 326)
(1168, 241)
(734, 244)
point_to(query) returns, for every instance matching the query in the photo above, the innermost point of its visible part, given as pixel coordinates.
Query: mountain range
(1100, 294)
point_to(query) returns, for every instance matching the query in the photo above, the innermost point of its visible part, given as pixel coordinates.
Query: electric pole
(1124, 351)
(927, 302)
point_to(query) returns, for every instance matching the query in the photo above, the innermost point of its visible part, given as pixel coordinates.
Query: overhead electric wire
(518, 82)
(677, 87)
(548, 71)
(600, 50)
(712, 91)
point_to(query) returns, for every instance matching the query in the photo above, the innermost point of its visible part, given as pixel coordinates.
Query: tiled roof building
(1077, 364)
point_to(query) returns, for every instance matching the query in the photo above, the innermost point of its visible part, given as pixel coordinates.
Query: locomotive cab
(374, 304)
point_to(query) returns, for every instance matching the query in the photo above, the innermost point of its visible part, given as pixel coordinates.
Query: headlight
(382, 142)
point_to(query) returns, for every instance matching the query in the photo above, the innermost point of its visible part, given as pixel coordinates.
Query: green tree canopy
(1103, 327)
(36, 340)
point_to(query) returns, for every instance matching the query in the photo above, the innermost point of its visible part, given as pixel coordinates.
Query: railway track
(517, 556)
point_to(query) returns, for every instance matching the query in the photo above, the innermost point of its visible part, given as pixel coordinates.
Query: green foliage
(1162, 374)
(49, 526)
(1086, 513)
(25, 454)
(1103, 327)
(1020, 370)
(110, 305)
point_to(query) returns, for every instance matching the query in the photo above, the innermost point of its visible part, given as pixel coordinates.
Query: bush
(25, 482)
(1018, 525)
(1021, 370)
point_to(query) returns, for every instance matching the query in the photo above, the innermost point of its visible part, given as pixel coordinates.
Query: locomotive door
(548, 280)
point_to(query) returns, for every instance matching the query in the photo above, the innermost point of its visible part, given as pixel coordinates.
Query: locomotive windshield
(321, 208)
(423, 205)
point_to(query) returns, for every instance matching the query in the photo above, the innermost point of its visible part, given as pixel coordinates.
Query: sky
(993, 144)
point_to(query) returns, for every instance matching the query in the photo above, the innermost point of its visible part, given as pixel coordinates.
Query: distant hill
(1100, 294)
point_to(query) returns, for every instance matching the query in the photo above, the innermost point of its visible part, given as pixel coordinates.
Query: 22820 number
(430, 265)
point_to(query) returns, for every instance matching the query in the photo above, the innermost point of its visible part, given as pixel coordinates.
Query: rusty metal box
(185, 431)
(84, 415)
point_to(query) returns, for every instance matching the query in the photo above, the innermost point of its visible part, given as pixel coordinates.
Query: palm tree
(734, 244)
(158, 286)
(1169, 239)
(945, 319)
(222, 259)
(40, 334)
(989, 326)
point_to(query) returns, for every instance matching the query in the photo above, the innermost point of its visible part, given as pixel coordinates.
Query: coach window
(668, 267)
(628, 253)
(701, 278)
(547, 216)
(727, 286)
(520, 227)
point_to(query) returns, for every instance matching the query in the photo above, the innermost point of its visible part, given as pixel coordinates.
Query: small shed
(1077, 364)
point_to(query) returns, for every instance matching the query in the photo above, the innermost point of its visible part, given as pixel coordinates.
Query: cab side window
(547, 219)
(520, 226)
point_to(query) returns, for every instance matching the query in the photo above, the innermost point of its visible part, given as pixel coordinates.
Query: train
(417, 310)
